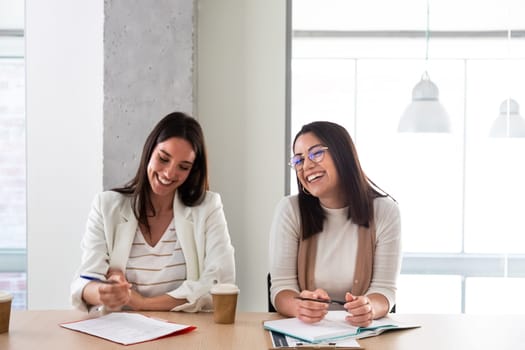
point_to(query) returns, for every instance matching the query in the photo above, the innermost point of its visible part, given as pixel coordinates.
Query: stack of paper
(282, 341)
(128, 328)
(332, 327)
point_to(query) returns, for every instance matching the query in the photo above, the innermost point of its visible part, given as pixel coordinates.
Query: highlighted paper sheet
(128, 328)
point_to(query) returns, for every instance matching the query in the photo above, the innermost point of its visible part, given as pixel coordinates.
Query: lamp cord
(509, 37)
(427, 32)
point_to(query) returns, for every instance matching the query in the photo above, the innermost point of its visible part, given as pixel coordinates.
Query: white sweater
(336, 250)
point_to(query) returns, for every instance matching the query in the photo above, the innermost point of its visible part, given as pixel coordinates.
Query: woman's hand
(311, 311)
(361, 310)
(115, 295)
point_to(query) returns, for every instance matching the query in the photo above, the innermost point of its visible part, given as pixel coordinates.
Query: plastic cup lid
(5, 296)
(224, 288)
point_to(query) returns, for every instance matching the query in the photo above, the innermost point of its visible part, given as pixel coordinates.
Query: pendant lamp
(425, 113)
(509, 123)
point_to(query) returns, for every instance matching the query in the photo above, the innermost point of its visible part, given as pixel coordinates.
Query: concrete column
(148, 73)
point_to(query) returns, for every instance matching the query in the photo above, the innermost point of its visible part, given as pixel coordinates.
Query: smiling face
(169, 166)
(320, 179)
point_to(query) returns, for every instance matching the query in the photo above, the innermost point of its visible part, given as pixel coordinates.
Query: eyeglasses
(316, 155)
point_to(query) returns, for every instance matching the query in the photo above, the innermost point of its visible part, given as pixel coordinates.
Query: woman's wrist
(136, 301)
(379, 305)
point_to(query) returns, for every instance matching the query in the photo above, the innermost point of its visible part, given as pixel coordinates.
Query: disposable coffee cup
(224, 302)
(5, 310)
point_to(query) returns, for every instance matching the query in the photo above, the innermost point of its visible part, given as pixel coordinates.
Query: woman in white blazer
(161, 241)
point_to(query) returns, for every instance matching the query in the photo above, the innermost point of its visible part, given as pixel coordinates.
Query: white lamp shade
(509, 123)
(425, 113)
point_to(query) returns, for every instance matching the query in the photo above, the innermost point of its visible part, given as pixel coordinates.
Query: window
(459, 193)
(12, 153)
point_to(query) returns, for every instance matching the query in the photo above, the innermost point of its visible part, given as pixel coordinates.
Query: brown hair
(193, 190)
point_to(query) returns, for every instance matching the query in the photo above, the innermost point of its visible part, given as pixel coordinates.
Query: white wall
(241, 105)
(240, 101)
(64, 66)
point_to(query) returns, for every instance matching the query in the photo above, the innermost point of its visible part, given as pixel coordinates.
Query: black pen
(326, 301)
(95, 279)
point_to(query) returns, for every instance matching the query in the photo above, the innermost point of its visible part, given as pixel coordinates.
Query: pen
(326, 301)
(98, 279)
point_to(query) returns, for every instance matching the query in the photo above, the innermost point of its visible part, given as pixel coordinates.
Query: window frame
(14, 260)
(461, 264)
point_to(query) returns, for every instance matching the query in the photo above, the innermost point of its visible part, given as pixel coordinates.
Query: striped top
(156, 270)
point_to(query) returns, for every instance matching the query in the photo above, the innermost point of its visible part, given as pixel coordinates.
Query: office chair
(393, 310)
(268, 285)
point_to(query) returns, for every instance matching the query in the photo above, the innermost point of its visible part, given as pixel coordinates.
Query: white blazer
(202, 232)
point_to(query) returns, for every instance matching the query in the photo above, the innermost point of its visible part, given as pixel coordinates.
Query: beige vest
(364, 261)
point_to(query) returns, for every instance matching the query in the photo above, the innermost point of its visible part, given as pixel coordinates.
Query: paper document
(280, 340)
(128, 328)
(332, 327)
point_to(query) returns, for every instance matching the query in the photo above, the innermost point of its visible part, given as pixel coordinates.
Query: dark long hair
(358, 189)
(193, 190)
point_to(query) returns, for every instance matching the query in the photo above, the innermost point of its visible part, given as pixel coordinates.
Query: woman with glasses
(161, 241)
(337, 243)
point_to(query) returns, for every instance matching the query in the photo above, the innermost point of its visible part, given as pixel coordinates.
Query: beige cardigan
(364, 261)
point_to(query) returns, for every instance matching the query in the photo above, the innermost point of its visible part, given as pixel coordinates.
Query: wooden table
(32, 330)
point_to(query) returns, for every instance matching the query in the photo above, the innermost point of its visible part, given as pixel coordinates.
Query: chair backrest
(268, 285)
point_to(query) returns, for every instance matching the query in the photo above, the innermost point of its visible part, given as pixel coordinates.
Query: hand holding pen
(113, 292)
(312, 306)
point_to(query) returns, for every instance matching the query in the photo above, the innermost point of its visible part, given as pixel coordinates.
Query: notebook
(128, 328)
(332, 327)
